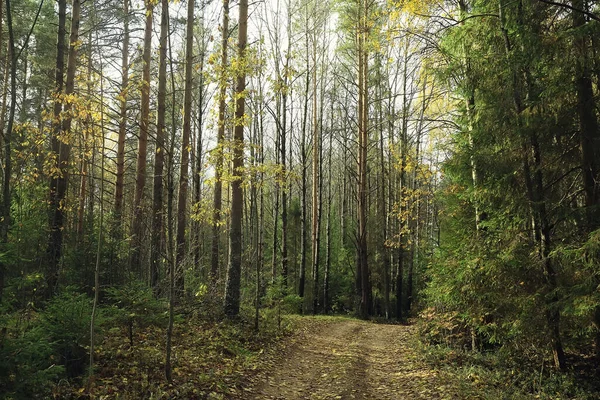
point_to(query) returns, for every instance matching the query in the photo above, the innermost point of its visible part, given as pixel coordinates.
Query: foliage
(66, 322)
(38, 348)
(133, 304)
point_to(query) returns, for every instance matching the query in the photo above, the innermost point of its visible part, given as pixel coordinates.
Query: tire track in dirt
(352, 359)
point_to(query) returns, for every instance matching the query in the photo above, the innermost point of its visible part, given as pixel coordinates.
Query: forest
(191, 187)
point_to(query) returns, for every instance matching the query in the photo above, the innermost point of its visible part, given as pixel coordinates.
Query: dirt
(351, 359)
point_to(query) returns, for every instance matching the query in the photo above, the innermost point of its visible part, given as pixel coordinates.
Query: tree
(159, 155)
(232, 288)
(217, 204)
(137, 226)
(185, 140)
(60, 139)
(122, 117)
(362, 273)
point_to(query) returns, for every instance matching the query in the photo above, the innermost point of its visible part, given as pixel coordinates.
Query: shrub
(133, 304)
(66, 322)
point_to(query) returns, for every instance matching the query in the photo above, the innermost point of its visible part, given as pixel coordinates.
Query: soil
(351, 359)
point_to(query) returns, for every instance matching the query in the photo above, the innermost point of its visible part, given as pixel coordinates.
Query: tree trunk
(315, 184)
(100, 224)
(58, 184)
(122, 120)
(216, 230)
(137, 227)
(159, 155)
(284, 218)
(327, 271)
(303, 189)
(185, 140)
(232, 289)
(6, 196)
(363, 105)
(197, 244)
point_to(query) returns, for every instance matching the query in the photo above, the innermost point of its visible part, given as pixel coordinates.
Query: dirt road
(350, 359)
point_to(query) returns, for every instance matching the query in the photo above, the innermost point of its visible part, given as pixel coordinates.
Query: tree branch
(589, 14)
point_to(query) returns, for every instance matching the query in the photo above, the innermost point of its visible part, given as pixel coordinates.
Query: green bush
(38, 348)
(133, 304)
(66, 322)
(28, 364)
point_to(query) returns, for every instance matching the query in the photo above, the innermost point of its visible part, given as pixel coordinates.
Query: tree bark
(6, 196)
(315, 183)
(303, 189)
(232, 289)
(122, 119)
(61, 146)
(363, 105)
(216, 230)
(185, 140)
(137, 227)
(159, 155)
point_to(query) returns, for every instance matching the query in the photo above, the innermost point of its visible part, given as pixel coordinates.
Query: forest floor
(352, 359)
(309, 358)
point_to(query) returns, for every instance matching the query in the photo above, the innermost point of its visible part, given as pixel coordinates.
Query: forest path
(352, 359)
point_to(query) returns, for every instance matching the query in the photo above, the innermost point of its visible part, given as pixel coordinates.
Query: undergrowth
(502, 373)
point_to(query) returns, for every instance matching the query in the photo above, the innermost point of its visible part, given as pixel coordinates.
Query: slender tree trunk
(159, 155)
(199, 151)
(137, 227)
(363, 105)
(185, 140)
(327, 271)
(384, 250)
(315, 184)
(232, 289)
(6, 196)
(100, 230)
(303, 189)
(56, 212)
(122, 119)
(261, 218)
(284, 193)
(58, 184)
(84, 149)
(217, 204)
(274, 245)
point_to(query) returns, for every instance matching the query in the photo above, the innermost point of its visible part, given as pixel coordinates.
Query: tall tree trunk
(232, 289)
(217, 204)
(6, 196)
(159, 155)
(58, 184)
(185, 140)
(274, 245)
(100, 224)
(122, 119)
(137, 227)
(284, 193)
(315, 184)
(363, 105)
(197, 244)
(327, 271)
(384, 250)
(84, 149)
(56, 212)
(303, 189)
